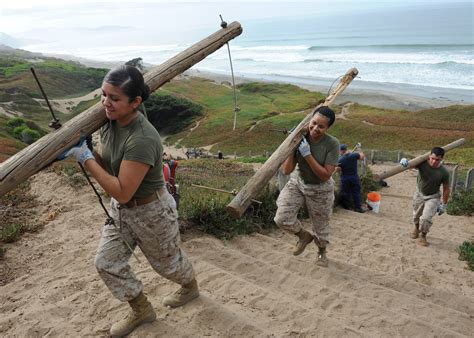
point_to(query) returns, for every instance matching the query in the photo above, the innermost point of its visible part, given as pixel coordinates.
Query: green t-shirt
(138, 141)
(430, 179)
(325, 151)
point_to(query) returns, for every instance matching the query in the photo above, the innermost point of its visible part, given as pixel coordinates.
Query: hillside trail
(379, 281)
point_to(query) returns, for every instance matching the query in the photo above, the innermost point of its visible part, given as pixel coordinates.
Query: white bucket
(373, 201)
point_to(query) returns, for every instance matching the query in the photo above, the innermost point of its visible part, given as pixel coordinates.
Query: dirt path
(379, 283)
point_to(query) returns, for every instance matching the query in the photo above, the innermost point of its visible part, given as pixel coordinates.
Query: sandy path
(379, 283)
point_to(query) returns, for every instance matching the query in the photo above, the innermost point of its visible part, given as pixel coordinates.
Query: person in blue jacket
(350, 182)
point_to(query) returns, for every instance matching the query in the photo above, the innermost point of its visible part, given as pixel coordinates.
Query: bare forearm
(445, 194)
(289, 165)
(109, 183)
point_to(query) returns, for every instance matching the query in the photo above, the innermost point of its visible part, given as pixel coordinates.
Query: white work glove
(79, 151)
(304, 148)
(442, 208)
(404, 162)
(358, 146)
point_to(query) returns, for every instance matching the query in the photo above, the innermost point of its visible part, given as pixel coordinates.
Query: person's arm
(323, 172)
(289, 165)
(445, 193)
(361, 155)
(98, 158)
(123, 187)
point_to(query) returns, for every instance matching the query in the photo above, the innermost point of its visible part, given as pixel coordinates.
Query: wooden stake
(221, 190)
(38, 155)
(257, 182)
(416, 161)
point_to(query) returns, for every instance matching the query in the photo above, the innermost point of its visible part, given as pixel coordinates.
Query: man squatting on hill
(311, 184)
(350, 181)
(426, 200)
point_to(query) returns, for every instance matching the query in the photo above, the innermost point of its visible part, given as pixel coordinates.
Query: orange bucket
(373, 201)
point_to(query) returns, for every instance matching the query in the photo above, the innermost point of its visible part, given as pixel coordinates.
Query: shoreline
(380, 95)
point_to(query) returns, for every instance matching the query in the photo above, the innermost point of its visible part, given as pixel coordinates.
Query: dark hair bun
(146, 93)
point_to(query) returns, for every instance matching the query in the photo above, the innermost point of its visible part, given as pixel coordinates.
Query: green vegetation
(25, 131)
(17, 216)
(19, 91)
(170, 114)
(255, 159)
(206, 208)
(466, 253)
(84, 105)
(461, 203)
(263, 107)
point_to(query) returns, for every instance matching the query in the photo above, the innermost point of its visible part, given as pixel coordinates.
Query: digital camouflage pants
(154, 228)
(319, 200)
(424, 208)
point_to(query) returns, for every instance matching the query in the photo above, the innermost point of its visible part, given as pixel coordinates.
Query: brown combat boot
(304, 238)
(416, 232)
(180, 297)
(423, 241)
(141, 312)
(322, 258)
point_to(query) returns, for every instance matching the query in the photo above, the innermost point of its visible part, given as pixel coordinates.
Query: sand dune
(379, 283)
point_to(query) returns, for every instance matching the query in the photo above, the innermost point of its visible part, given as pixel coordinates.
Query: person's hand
(80, 151)
(304, 148)
(404, 162)
(442, 208)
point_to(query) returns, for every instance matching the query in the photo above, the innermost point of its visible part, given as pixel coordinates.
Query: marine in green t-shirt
(138, 141)
(325, 151)
(426, 200)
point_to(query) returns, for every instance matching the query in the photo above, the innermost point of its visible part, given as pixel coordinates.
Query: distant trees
(137, 63)
(170, 114)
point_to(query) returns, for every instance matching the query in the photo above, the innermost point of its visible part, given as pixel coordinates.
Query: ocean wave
(397, 46)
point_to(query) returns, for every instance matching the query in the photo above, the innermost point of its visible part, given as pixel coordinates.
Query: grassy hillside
(59, 78)
(265, 107)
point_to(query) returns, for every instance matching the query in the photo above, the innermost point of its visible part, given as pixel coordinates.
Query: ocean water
(429, 45)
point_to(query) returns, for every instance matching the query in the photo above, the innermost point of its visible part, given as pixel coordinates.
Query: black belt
(135, 202)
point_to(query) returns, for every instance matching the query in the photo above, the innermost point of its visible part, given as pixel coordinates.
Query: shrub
(18, 130)
(170, 114)
(466, 253)
(462, 203)
(10, 232)
(15, 122)
(29, 136)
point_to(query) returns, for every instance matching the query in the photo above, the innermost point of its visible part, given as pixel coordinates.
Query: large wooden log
(33, 158)
(257, 182)
(416, 161)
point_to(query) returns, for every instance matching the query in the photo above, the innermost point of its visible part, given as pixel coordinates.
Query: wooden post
(416, 161)
(38, 155)
(454, 180)
(258, 181)
(469, 179)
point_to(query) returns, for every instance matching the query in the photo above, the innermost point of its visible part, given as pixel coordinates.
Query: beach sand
(381, 95)
(379, 281)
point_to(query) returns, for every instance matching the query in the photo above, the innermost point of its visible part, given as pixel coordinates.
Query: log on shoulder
(38, 155)
(416, 161)
(257, 182)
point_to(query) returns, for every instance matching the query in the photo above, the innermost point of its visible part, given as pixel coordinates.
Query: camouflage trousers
(319, 200)
(154, 228)
(424, 208)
